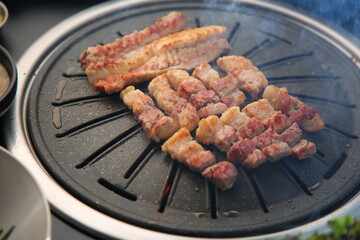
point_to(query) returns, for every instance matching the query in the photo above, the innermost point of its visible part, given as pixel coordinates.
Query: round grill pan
(90, 144)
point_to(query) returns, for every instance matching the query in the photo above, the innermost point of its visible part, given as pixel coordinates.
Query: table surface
(30, 19)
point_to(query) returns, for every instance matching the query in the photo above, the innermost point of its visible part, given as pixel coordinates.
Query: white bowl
(22, 203)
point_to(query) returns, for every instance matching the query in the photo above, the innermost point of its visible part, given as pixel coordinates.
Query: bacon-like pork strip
(212, 131)
(272, 144)
(234, 118)
(195, 90)
(173, 105)
(298, 112)
(212, 109)
(119, 56)
(187, 151)
(226, 88)
(183, 50)
(247, 76)
(157, 126)
(206, 74)
(222, 174)
(241, 149)
(303, 149)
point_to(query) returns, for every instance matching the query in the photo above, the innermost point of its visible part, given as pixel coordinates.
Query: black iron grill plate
(90, 143)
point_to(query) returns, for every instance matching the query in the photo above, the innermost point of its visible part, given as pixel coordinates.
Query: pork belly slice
(206, 74)
(268, 137)
(235, 98)
(277, 121)
(149, 118)
(111, 52)
(292, 135)
(173, 105)
(136, 100)
(212, 109)
(303, 149)
(255, 159)
(187, 116)
(184, 84)
(184, 149)
(276, 151)
(259, 109)
(251, 128)
(184, 50)
(224, 138)
(307, 117)
(279, 98)
(240, 150)
(234, 117)
(164, 95)
(157, 126)
(249, 78)
(202, 98)
(212, 131)
(222, 174)
(207, 128)
(224, 86)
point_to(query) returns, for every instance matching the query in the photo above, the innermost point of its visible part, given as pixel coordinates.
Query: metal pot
(22, 204)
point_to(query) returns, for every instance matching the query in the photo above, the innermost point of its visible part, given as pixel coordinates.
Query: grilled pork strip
(298, 112)
(212, 131)
(303, 149)
(270, 131)
(222, 174)
(157, 126)
(182, 50)
(184, 149)
(206, 101)
(247, 76)
(173, 105)
(114, 58)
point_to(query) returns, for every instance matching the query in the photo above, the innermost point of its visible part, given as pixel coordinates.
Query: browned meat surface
(256, 158)
(250, 128)
(303, 149)
(184, 84)
(206, 74)
(223, 175)
(277, 121)
(149, 118)
(212, 109)
(279, 98)
(248, 77)
(224, 86)
(114, 58)
(136, 100)
(184, 149)
(240, 150)
(260, 109)
(212, 131)
(292, 135)
(207, 128)
(268, 137)
(157, 126)
(236, 98)
(234, 118)
(276, 151)
(298, 112)
(173, 105)
(183, 50)
(202, 98)
(225, 137)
